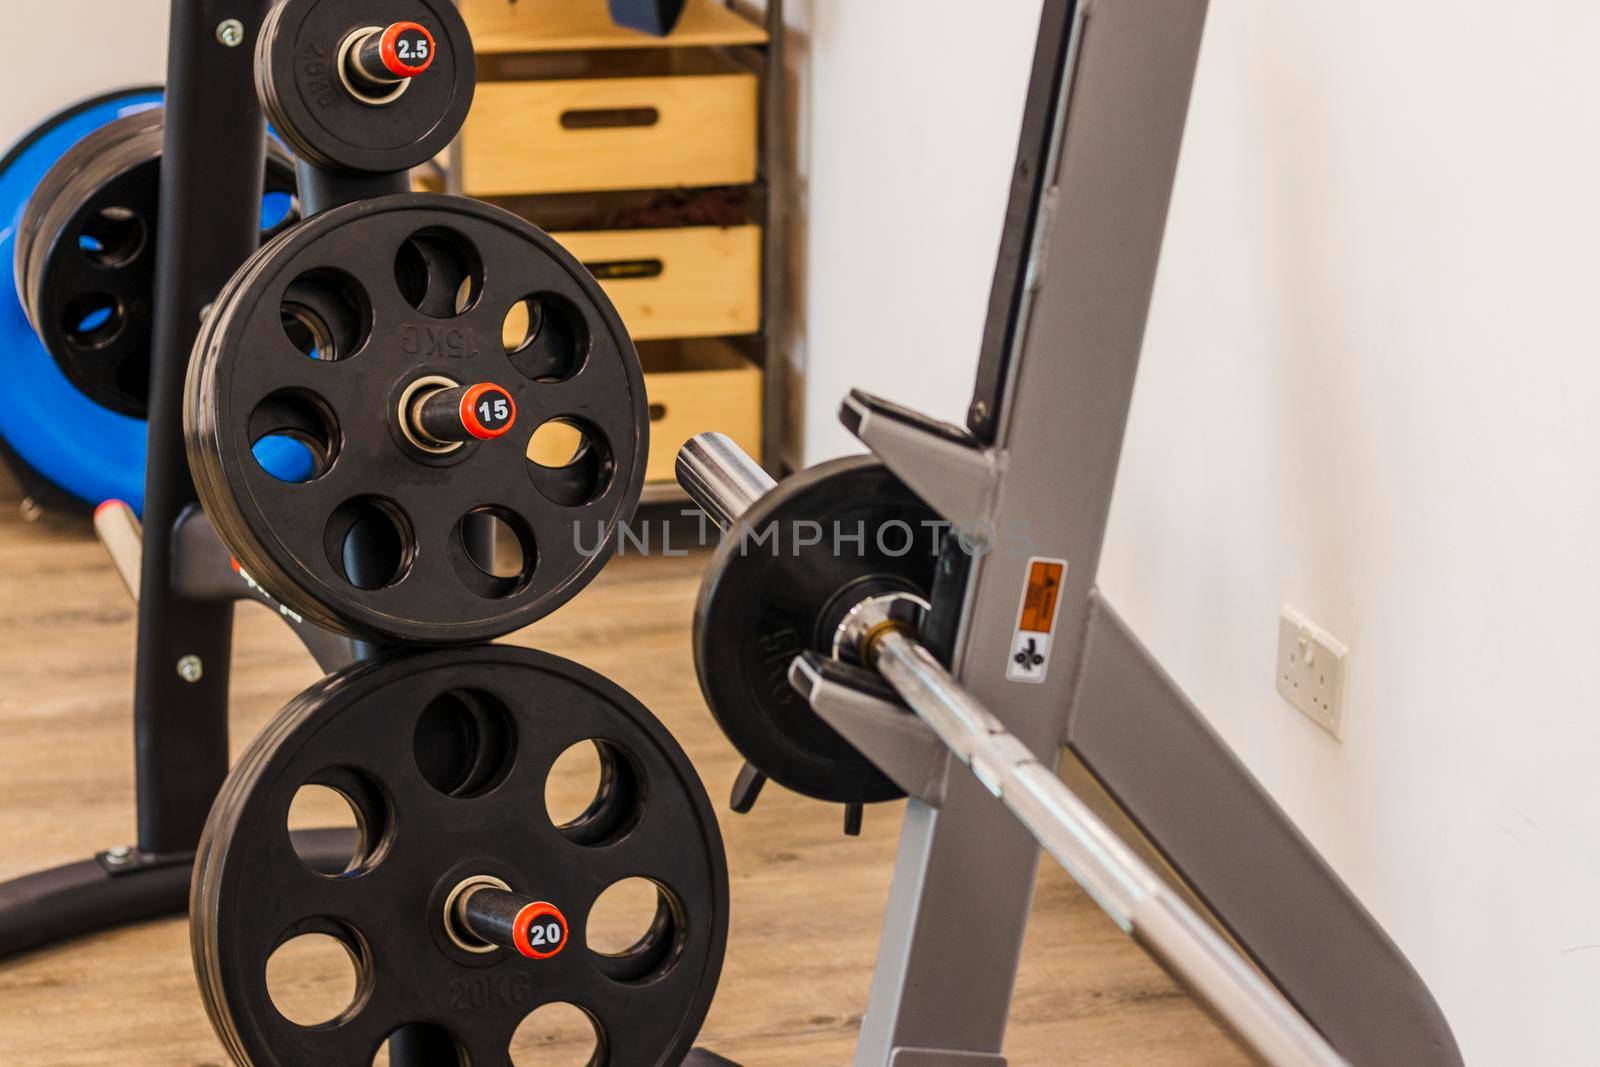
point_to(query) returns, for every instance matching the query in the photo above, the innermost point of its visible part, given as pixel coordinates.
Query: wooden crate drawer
(570, 25)
(582, 134)
(698, 281)
(695, 386)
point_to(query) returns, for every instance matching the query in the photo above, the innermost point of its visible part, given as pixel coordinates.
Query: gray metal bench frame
(1032, 476)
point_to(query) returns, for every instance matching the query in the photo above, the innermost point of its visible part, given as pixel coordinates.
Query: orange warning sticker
(1039, 601)
(1036, 620)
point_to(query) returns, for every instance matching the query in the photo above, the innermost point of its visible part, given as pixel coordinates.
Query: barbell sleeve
(719, 477)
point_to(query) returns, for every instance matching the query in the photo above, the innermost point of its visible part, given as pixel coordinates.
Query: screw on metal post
(230, 32)
(190, 669)
(31, 510)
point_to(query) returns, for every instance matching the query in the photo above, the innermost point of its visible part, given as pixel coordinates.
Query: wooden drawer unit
(695, 386)
(698, 281)
(596, 134)
(577, 25)
(655, 161)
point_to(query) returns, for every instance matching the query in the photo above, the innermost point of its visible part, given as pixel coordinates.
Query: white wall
(77, 49)
(907, 115)
(1368, 390)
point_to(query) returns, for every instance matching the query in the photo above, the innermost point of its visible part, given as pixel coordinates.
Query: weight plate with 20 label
(326, 340)
(448, 761)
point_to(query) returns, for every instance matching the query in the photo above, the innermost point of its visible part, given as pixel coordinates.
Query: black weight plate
(372, 732)
(85, 256)
(348, 283)
(297, 75)
(767, 597)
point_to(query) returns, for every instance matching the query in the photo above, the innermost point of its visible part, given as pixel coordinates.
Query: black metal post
(211, 185)
(322, 189)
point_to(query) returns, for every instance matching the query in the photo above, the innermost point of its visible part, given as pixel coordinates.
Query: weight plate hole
(316, 807)
(369, 542)
(293, 436)
(575, 782)
(493, 552)
(464, 743)
(93, 320)
(569, 462)
(421, 1043)
(326, 315)
(314, 978)
(439, 273)
(635, 930)
(339, 823)
(594, 793)
(546, 337)
(557, 1035)
(113, 237)
(555, 444)
(279, 209)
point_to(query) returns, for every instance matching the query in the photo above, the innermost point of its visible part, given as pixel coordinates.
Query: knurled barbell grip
(384, 58)
(479, 412)
(720, 477)
(534, 928)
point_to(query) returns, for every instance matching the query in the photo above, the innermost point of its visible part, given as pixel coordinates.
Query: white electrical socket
(1311, 665)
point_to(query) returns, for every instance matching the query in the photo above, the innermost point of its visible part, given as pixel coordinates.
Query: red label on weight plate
(407, 49)
(487, 411)
(540, 931)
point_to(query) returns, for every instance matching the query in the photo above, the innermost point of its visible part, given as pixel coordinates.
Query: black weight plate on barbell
(768, 596)
(85, 256)
(347, 284)
(371, 733)
(298, 80)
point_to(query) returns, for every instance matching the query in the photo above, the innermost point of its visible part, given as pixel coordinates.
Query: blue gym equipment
(65, 446)
(61, 444)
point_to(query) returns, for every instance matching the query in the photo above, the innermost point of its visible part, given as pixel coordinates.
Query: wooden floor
(1086, 994)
